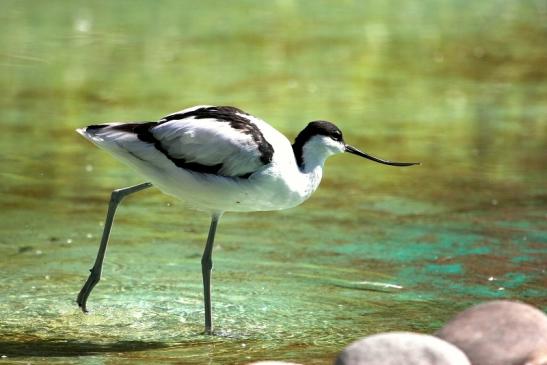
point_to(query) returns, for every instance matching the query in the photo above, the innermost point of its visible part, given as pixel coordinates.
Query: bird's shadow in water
(68, 348)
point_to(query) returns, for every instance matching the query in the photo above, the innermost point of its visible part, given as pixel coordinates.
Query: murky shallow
(377, 248)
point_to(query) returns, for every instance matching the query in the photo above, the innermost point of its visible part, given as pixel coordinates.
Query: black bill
(355, 151)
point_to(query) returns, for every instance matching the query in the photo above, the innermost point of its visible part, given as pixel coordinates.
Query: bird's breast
(281, 187)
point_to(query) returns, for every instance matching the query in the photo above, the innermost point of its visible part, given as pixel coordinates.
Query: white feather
(210, 142)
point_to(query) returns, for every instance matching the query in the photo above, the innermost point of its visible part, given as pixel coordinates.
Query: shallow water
(459, 86)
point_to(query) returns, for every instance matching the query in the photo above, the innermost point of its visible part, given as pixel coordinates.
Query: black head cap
(318, 127)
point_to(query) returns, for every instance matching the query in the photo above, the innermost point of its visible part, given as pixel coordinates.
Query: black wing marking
(237, 120)
(143, 132)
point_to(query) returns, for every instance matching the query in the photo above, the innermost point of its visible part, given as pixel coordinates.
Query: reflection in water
(376, 249)
(20, 347)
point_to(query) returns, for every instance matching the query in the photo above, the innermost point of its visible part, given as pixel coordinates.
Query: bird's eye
(337, 136)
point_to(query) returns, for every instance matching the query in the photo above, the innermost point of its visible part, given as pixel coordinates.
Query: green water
(460, 86)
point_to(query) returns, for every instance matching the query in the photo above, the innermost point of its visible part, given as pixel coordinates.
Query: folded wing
(203, 139)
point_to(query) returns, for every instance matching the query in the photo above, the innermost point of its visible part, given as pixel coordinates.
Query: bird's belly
(261, 192)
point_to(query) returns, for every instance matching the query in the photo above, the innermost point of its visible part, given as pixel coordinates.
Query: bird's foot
(92, 280)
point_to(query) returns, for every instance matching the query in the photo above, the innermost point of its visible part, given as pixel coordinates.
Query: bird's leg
(206, 268)
(95, 276)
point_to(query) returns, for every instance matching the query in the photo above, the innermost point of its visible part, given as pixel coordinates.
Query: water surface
(457, 85)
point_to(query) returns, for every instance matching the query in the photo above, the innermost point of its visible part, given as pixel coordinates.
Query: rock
(498, 333)
(397, 348)
(538, 357)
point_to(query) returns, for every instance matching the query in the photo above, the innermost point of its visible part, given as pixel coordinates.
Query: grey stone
(398, 348)
(499, 333)
(538, 357)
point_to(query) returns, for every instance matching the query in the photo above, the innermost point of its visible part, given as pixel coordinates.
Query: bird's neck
(312, 179)
(310, 157)
(310, 163)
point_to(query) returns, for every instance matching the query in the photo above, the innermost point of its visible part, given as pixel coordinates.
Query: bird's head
(321, 139)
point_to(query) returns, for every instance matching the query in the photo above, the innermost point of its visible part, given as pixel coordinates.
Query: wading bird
(217, 159)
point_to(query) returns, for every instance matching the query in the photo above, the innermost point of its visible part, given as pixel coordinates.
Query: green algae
(459, 88)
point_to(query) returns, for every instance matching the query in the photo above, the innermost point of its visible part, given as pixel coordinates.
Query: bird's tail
(92, 132)
(105, 136)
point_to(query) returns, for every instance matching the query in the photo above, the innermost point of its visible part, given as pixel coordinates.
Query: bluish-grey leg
(95, 276)
(206, 269)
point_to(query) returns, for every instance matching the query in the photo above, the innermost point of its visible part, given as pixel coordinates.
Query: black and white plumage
(218, 159)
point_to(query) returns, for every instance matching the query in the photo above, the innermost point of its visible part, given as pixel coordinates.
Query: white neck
(314, 154)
